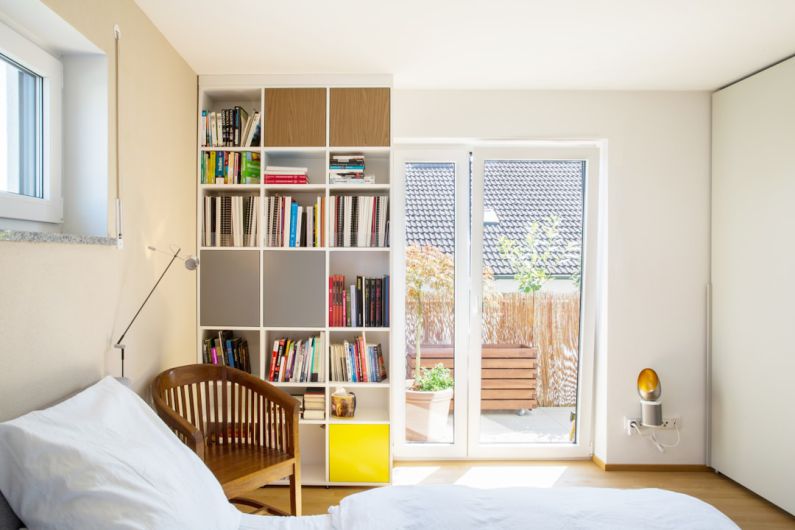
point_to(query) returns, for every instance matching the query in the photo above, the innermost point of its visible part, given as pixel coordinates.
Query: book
(229, 127)
(291, 224)
(364, 303)
(225, 349)
(357, 362)
(231, 221)
(360, 221)
(297, 361)
(314, 414)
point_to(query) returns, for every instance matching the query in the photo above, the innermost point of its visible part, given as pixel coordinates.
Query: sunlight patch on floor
(412, 475)
(489, 477)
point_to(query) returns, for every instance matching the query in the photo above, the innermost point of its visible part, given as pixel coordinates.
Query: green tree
(544, 249)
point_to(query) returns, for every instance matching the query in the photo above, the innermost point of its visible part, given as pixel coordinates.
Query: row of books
(227, 350)
(232, 127)
(223, 167)
(357, 362)
(231, 221)
(359, 221)
(364, 303)
(289, 224)
(313, 405)
(348, 169)
(286, 175)
(298, 361)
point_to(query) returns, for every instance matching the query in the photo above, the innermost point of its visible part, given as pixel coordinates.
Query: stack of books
(362, 304)
(223, 167)
(314, 405)
(348, 169)
(226, 350)
(289, 224)
(232, 127)
(355, 362)
(286, 175)
(231, 221)
(298, 361)
(359, 221)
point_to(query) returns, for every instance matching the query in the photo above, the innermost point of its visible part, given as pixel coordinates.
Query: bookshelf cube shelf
(262, 292)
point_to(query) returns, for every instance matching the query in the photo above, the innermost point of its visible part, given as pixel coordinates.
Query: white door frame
(583, 446)
(460, 157)
(468, 259)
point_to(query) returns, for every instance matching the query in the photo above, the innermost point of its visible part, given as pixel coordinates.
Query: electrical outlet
(669, 422)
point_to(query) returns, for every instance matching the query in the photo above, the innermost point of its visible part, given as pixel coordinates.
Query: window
(20, 130)
(30, 125)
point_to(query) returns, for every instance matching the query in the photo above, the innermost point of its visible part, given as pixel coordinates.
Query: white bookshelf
(244, 273)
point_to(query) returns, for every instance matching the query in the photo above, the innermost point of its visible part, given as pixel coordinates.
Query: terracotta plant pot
(426, 415)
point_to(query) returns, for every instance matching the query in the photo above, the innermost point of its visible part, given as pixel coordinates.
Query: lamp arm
(174, 257)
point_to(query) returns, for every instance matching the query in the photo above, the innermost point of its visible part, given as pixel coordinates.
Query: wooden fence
(548, 321)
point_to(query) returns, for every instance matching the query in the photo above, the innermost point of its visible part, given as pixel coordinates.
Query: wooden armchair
(244, 429)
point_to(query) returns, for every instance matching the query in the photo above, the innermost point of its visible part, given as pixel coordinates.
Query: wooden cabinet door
(295, 117)
(360, 117)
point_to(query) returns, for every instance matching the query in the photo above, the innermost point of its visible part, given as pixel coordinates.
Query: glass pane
(20, 130)
(532, 248)
(430, 297)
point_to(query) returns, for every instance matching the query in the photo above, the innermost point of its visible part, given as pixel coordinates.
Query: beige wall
(61, 306)
(657, 209)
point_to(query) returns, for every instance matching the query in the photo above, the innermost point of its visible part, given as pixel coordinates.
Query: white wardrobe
(753, 284)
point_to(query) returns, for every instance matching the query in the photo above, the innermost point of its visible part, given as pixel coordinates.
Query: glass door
(432, 263)
(527, 338)
(493, 301)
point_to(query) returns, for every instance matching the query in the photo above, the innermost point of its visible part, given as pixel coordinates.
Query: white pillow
(103, 459)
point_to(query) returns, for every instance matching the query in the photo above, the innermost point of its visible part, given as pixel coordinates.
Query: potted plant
(429, 271)
(428, 405)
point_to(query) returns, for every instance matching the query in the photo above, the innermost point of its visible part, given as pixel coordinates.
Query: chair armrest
(191, 435)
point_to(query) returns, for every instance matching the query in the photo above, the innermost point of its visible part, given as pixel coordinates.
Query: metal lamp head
(650, 390)
(191, 263)
(649, 387)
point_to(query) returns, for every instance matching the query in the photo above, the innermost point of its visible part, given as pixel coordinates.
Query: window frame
(48, 209)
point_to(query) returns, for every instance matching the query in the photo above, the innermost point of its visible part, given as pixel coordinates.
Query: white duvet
(463, 508)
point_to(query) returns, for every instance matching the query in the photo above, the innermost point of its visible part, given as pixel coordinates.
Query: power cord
(652, 436)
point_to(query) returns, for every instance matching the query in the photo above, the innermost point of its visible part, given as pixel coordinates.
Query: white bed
(464, 508)
(103, 459)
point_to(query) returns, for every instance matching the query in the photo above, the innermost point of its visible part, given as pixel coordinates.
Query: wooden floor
(746, 509)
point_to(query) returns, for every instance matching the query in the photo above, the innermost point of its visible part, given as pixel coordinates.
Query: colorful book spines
(226, 350)
(366, 306)
(223, 167)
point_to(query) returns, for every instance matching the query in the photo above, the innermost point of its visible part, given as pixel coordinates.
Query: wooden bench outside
(507, 375)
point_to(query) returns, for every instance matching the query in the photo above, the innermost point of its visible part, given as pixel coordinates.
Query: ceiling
(507, 44)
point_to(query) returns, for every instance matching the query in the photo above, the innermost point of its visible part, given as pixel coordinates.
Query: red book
(360, 344)
(339, 301)
(285, 179)
(274, 355)
(331, 301)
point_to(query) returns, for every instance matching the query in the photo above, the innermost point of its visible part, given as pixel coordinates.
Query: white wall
(657, 200)
(62, 305)
(753, 356)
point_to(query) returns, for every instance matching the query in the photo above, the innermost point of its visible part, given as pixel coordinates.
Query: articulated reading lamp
(191, 263)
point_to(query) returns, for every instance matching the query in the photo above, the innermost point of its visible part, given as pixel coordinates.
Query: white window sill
(54, 237)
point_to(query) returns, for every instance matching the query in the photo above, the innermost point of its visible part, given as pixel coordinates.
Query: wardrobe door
(753, 292)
